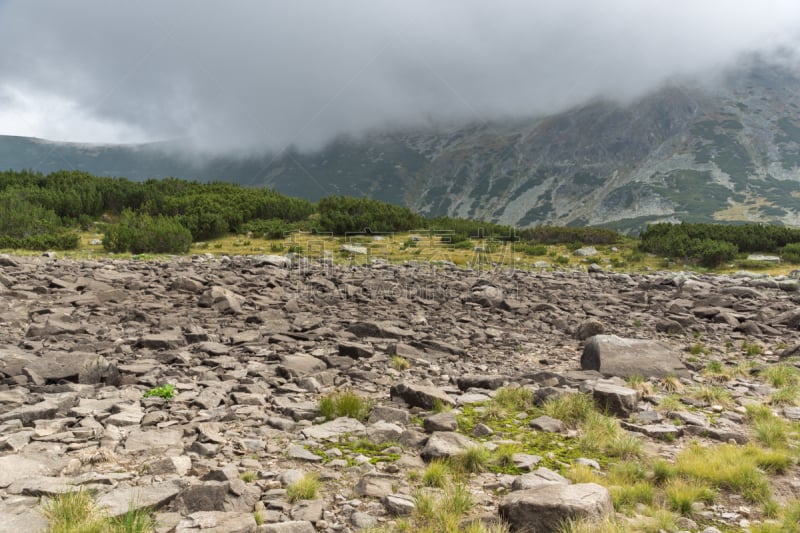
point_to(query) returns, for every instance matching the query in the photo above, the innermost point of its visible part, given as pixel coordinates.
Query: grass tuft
(344, 403)
(513, 398)
(305, 488)
(472, 460)
(782, 375)
(682, 493)
(400, 363)
(437, 474)
(572, 408)
(72, 511)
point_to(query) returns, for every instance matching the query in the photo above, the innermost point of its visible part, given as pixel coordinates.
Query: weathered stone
(445, 444)
(378, 329)
(289, 527)
(481, 381)
(618, 400)
(355, 350)
(300, 365)
(222, 300)
(380, 432)
(420, 395)
(154, 441)
(374, 486)
(548, 424)
(121, 499)
(398, 504)
(617, 356)
(588, 328)
(335, 428)
(540, 476)
(444, 421)
(217, 522)
(166, 340)
(296, 451)
(667, 432)
(307, 510)
(389, 414)
(546, 507)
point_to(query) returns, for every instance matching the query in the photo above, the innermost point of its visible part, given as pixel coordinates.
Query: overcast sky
(250, 74)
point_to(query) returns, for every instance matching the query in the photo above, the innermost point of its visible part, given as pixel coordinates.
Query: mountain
(728, 152)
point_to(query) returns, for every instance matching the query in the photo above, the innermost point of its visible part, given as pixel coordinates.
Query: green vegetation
(76, 511)
(139, 233)
(400, 363)
(472, 460)
(437, 474)
(305, 488)
(344, 403)
(713, 244)
(167, 392)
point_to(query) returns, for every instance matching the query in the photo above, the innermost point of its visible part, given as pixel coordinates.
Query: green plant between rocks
(344, 403)
(305, 488)
(166, 392)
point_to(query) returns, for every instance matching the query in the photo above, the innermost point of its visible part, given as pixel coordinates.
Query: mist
(253, 76)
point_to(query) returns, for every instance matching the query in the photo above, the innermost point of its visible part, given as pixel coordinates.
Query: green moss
(352, 447)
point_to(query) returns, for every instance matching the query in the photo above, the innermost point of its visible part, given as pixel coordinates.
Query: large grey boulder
(544, 508)
(617, 356)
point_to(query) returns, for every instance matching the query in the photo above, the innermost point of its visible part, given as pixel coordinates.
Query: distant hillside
(681, 153)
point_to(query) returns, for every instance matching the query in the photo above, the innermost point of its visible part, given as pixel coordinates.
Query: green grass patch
(729, 467)
(305, 488)
(167, 392)
(344, 403)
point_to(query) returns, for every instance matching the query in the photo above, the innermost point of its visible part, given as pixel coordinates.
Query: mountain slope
(681, 153)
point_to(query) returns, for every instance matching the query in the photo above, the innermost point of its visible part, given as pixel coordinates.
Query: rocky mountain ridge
(727, 151)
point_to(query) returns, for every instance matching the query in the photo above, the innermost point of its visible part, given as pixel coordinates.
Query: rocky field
(247, 394)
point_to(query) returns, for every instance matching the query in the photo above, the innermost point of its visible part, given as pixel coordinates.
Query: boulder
(546, 507)
(445, 444)
(421, 395)
(335, 428)
(617, 356)
(616, 399)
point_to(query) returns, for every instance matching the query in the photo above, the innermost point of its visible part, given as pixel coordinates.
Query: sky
(247, 76)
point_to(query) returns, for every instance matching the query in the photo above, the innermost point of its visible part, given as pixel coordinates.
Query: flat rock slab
(540, 476)
(167, 340)
(21, 519)
(617, 356)
(16, 467)
(297, 526)
(379, 329)
(445, 444)
(154, 441)
(548, 424)
(421, 395)
(335, 428)
(296, 451)
(299, 365)
(617, 399)
(217, 522)
(482, 381)
(667, 432)
(546, 507)
(41, 486)
(123, 498)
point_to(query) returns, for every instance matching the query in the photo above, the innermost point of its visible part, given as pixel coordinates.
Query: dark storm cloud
(243, 75)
